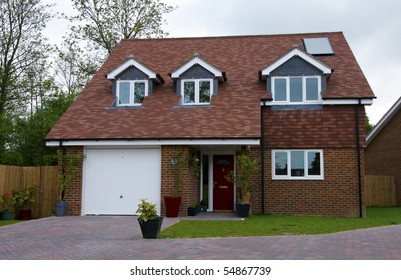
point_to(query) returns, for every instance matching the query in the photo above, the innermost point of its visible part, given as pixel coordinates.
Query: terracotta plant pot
(172, 206)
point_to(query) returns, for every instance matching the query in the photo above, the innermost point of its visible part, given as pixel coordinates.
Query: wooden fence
(380, 191)
(43, 178)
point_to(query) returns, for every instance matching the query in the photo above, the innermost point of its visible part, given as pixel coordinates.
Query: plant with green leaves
(24, 196)
(246, 168)
(69, 167)
(146, 210)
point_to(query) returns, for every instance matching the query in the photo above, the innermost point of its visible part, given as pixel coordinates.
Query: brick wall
(336, 195)
(383, 154)
(332, 129)
(329, 127)
(74, 192)
(190, 185)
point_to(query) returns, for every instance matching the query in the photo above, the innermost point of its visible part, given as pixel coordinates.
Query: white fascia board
(326, 102)
(196, 60)
(366, 101)
(383, 121)
(128, 63)
(206, 142)
(296, 52)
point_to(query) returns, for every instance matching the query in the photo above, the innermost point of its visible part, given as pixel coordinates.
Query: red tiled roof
(235, 111)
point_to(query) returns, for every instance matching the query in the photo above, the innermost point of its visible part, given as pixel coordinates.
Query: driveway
(119, 238)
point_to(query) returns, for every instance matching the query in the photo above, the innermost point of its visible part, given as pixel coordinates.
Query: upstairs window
(294, 90)
(196, 92)
(131, 93)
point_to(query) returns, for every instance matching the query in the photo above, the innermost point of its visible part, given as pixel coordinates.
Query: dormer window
(197, 81)
(196, 91)
(131, 93)
(296, 78)
(132, 82)
(296, 89)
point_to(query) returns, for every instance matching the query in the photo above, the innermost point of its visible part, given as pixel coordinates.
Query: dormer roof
(296, 52)
(197, 60)
(132, 62)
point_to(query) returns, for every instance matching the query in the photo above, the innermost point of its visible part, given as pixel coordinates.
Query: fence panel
(380, 191)
(43, 178)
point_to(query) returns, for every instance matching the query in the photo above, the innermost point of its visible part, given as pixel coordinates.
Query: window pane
(295, 89)
(204, 92)
(297, 164)
(189, 92)
(139, 92)
(123, 97)
(281, 163)
(312, 89)
(280, 90)
(313, 163)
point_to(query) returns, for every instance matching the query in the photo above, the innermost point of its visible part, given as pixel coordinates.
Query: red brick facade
(190, 191)
(74, 192)
(383, 154)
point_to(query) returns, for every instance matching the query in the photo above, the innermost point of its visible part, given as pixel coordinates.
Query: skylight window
(318, 46)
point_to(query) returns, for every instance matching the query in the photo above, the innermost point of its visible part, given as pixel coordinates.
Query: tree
(21, 46)
(368, 125)
(106, 22)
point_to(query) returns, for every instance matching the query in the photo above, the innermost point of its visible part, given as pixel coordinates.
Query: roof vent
(131, 56)
(295, 46)
(318, 46)
(196, 54)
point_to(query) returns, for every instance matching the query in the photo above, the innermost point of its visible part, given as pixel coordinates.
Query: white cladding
(116, 179)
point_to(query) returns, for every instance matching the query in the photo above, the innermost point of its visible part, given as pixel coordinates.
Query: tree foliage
(106, 22)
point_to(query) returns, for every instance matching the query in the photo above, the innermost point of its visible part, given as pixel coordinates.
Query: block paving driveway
(119, 238)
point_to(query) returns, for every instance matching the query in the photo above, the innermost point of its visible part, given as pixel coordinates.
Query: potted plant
(193, 210)
(22, 199)
(204, 205)
(7, 206)
(179, 162)
(172, 203)
(69, 168)
(148, 219)
(246, 167)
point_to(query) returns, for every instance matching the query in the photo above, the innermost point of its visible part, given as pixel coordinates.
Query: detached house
(383, 152)
(295, 101)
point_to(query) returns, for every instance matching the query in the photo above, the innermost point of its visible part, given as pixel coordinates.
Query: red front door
(223, 191)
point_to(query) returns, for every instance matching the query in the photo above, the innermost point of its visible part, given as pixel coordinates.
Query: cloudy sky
(372, 28)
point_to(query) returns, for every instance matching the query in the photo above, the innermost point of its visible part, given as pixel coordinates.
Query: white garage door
(116, 179)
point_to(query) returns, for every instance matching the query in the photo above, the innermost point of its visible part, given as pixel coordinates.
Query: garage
(116, 179)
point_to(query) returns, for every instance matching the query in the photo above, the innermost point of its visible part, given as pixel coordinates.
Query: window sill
(297, 179)
(194, 106)
(125, 107)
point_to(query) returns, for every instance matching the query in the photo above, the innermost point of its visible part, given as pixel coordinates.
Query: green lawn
(263, 225)
(4, 223)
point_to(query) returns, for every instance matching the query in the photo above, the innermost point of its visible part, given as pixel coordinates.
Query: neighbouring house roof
(384, 120)
(234, 113)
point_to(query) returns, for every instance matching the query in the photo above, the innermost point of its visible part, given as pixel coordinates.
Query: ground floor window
(297, 164)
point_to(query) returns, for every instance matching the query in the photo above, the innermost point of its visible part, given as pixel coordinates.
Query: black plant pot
(60, 208)
(151, 228)
(192, 211)
(242, 210)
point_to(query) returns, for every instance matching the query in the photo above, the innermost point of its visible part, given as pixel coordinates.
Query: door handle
(121, 196)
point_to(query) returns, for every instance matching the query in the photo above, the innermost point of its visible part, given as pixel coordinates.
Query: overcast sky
(371, 27)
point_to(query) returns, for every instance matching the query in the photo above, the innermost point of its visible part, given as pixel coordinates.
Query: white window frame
(131, 93)
(197, 81)
(306, 176)
(304, 101)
